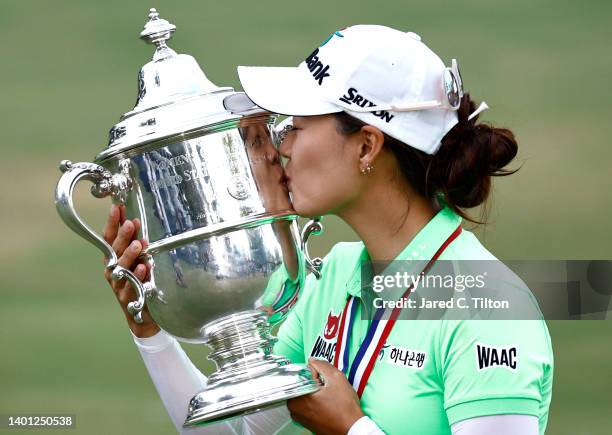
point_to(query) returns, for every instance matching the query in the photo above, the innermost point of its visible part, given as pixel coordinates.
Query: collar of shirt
(422, 247)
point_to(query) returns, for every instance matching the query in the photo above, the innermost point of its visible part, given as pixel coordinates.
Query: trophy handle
(314, 226)
(104, 184)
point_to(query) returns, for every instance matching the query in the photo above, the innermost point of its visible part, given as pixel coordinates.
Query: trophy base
(227, 400)
(249, 377)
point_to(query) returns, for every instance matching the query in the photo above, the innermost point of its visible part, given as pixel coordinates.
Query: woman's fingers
(128, 230)
(112, 225)
(140, 272)
(136, 223)
(145, 243)
(313, 368)
(127, 249)
(130, 255)
(126, 293)
(121, 213)
(124, 237)
(127, 260)
(121, 233)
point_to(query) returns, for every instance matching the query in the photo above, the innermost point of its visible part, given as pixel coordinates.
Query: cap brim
(286, 91)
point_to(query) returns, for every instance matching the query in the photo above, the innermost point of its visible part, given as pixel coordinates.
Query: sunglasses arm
(410, 107)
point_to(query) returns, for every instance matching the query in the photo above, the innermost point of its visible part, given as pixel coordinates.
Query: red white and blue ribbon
(344, 334)
(361, 368)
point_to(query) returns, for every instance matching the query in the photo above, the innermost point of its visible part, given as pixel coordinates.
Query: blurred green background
(68, 71)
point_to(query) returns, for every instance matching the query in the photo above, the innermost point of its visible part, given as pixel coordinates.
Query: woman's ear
(372, 140)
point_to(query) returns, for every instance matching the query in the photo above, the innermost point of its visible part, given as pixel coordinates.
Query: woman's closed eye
(286, 130)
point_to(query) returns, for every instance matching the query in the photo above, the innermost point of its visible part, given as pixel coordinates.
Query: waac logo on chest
(496, 356)
(325, 345)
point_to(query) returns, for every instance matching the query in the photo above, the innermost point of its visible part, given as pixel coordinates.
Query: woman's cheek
(320, 200)
(311, 200)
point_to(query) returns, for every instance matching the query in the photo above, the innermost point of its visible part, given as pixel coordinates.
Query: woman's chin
(309, 206)
(307, 212)
(300, 208)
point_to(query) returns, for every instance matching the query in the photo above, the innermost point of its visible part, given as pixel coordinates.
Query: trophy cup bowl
(198, 165)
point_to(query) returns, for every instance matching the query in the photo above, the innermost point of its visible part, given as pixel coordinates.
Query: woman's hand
(331, 410)
(120, 233)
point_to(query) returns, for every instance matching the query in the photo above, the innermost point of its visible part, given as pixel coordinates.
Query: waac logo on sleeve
(496, 356)
(325, 344)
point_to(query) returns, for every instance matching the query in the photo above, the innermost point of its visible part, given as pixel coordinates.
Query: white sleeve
(365, 426)
(177, 380)
(503, 424)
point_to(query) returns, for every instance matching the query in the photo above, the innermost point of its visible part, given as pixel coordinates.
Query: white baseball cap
(382, 76)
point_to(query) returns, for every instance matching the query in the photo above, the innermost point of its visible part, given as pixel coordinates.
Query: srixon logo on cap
(353, 96)
(494, 356)
(316, 67)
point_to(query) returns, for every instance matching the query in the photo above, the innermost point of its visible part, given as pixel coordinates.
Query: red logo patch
(331, 328)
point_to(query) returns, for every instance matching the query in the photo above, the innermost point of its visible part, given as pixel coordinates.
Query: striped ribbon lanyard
(363, 364)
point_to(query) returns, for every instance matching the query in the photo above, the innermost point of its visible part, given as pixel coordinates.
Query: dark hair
(470, 154)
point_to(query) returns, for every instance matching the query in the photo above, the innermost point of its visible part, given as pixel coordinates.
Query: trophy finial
(157, 30)
(167, 78)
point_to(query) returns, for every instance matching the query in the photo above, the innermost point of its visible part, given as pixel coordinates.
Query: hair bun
(471, 153)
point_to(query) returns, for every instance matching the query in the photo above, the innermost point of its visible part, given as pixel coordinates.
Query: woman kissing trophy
(198, 165)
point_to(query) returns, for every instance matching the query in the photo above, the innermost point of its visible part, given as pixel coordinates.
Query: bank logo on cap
(316, 67)
(318, 70)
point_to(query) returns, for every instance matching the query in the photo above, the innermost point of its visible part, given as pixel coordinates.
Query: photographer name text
(459, 302)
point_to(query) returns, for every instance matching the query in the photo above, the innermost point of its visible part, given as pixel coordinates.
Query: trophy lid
(168, 77)
(174, 95)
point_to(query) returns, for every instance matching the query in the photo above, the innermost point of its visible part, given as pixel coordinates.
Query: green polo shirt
(427, 376)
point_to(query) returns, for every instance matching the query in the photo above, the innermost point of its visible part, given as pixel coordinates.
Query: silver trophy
(198, 165)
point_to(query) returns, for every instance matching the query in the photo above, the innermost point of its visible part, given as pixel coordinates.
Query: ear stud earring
(367, 169)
